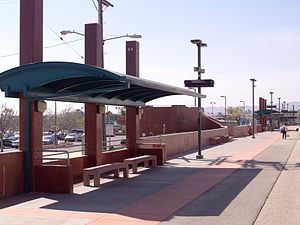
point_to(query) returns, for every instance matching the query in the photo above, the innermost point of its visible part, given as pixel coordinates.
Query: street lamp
(65, 32)
(212, 108)
(225, 116)
(244, 110)
(199, 44)
(271, 116)
(253, 118)
(283, 109)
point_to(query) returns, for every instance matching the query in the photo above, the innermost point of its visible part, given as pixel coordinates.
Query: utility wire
(64, 41)
(67, 42)
(95, 5)
(6, 3)
(49, 46)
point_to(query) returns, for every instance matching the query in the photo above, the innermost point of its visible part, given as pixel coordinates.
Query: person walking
(284, 130)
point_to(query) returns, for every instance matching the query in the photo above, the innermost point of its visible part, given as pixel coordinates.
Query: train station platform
(245, 181)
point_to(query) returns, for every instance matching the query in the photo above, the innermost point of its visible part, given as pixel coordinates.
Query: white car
(73, 137)
(15, 143)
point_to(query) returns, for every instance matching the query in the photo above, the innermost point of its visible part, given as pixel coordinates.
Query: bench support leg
(125, 172)
(116, 173)
(86, 180)
(134, 168)
(154, 163)
(97, 180)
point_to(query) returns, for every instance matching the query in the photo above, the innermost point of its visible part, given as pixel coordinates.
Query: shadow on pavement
(216, 199)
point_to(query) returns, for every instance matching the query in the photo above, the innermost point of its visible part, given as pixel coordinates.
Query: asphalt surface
(246, 181)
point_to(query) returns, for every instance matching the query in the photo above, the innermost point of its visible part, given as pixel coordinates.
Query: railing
(157, 140)
(57, 152)
(114, 144)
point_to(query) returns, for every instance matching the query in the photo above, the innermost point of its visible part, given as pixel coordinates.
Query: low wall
(54, 178)
(11, 173)
(77, 165)
(115, 156)
(184, 142)
(238, 131)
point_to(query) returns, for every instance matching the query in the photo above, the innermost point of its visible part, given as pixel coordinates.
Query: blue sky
(257, 38)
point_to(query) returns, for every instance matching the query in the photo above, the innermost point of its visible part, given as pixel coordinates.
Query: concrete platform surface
(246, 181)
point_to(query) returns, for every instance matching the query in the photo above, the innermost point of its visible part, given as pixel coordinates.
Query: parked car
(7, 142)
(73, 137)
(16, 143)
(62, 134)
(78, 133)
(48, 139)
(123, 142)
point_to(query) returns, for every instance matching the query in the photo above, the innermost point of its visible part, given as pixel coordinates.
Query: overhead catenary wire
(8, 2)
(49, 46)
(64, 41)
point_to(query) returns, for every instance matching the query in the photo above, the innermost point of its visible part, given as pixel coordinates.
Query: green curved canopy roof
(74, 82)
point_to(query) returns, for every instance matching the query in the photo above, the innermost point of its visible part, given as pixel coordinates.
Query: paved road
(246, 181)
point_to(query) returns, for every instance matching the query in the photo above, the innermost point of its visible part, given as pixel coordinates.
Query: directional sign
(199, 83)
(198, 69)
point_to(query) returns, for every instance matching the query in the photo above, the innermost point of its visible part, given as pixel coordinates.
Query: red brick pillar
(31, 121)
(93, 116)
(132, 117)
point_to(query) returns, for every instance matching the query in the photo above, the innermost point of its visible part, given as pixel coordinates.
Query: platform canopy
(266, 112)
(74, 82)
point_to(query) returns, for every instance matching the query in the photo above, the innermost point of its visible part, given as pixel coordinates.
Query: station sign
(199, 83)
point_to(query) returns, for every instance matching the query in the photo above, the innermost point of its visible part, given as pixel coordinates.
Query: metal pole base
(253, 137)
(199, 156)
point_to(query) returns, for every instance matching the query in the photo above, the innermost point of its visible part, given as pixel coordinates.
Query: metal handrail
(58, 152)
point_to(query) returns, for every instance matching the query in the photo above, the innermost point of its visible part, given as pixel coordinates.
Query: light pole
(244, 110)
(212, 108)
(271, 116)
(279, 117)
(225, 115)
(199, 44)
(55, 124)
(293, 114)
(65, 32)
(253, 118)
(283, 109)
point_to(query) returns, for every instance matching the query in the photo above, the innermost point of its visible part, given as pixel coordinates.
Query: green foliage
(7, 121)
(234, 113)
(67, 119)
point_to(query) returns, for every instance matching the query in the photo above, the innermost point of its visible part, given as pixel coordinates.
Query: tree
(7, 121)
(234, 113)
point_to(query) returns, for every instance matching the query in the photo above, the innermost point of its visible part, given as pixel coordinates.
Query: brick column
(31, 121)
(132, 117)
(93, 116)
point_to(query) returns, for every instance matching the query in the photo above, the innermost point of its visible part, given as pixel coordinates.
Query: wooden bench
(96, 172)
(139, 159)
(215, 140)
